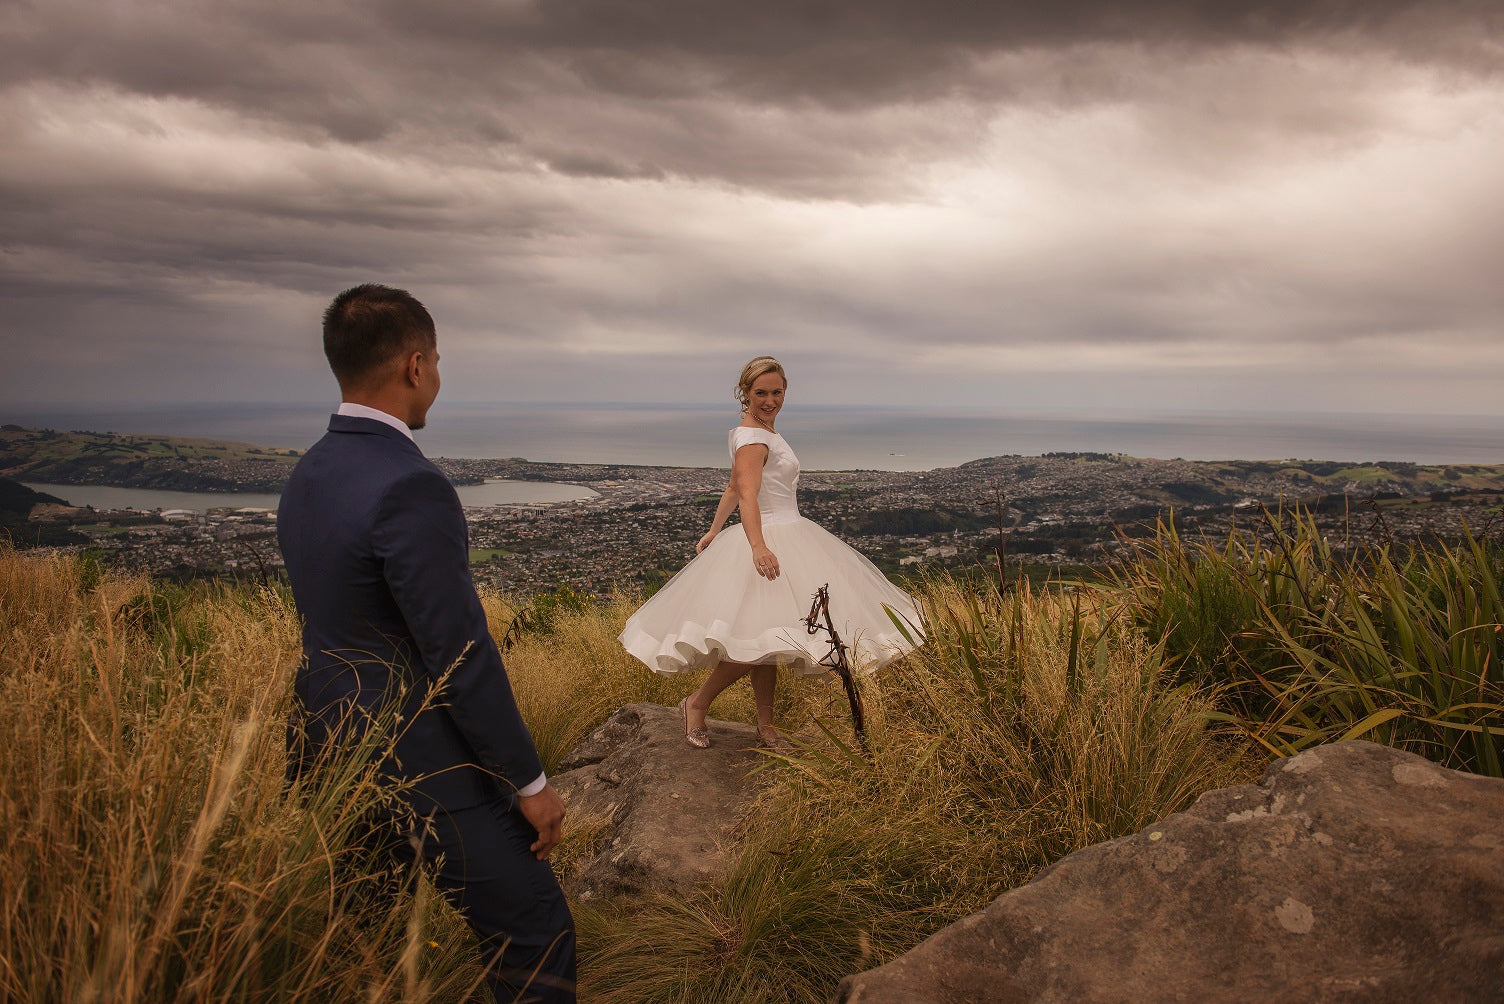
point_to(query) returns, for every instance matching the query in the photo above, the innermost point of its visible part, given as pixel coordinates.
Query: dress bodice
(777, 499)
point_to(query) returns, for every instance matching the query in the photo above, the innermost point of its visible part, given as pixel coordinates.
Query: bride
(739, 605)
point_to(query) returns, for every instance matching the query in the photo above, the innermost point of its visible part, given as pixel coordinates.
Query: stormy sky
(1168, 204)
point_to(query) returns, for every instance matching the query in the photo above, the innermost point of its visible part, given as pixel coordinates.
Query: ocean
(832, 437)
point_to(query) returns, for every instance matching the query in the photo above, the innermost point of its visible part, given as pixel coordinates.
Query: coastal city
(1057, 514)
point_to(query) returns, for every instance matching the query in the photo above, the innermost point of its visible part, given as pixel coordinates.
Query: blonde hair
(761, 366)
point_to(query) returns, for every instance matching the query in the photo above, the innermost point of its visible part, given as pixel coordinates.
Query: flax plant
(1307, 644)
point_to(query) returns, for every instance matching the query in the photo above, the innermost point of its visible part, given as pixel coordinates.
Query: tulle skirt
(718, 608)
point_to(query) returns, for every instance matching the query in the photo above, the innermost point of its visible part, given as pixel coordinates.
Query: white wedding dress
(718, 608)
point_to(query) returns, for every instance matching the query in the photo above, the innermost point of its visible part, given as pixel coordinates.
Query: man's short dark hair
(368, 326)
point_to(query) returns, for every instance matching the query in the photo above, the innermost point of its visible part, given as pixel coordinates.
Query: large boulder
(1349, 872)
(658, 812)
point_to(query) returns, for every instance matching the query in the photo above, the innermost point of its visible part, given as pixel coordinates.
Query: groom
(378, 556)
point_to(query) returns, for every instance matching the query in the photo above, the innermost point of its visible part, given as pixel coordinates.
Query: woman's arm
(722, 513)
(746, 479)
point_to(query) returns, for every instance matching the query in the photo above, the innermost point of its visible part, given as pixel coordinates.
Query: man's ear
(412, 368)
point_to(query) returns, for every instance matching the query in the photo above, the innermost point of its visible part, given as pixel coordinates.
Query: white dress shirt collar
(352, 410)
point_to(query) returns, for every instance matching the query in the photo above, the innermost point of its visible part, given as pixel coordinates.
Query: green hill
(163, 462)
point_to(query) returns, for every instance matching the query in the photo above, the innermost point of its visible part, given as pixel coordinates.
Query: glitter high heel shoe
(698, 738)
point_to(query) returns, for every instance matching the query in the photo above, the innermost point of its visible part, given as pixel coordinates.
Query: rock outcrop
(1350, 872)
(661, 811)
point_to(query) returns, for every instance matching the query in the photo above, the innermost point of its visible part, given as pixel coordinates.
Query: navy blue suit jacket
(378, 555)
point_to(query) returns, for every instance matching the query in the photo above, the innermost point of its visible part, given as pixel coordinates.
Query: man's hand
(545, 811)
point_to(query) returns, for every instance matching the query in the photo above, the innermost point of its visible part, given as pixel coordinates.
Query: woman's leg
(763, 679)
(723, 676)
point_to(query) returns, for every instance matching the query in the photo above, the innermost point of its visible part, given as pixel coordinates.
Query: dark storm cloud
(795, 41)
(877, 53)
(359, 70)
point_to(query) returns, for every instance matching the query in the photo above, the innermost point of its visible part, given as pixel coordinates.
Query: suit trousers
(479, 860)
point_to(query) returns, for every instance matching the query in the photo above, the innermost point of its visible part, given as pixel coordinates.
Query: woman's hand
(765, 561)
(705, 541)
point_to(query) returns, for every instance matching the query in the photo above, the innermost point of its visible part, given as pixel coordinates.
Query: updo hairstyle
(760, 366)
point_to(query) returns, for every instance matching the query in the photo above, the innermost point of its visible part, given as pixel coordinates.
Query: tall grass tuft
(1307, 644)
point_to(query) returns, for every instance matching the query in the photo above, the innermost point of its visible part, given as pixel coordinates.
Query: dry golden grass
(153, 853)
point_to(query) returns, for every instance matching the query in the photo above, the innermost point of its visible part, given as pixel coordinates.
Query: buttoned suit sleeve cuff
(535, 787)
